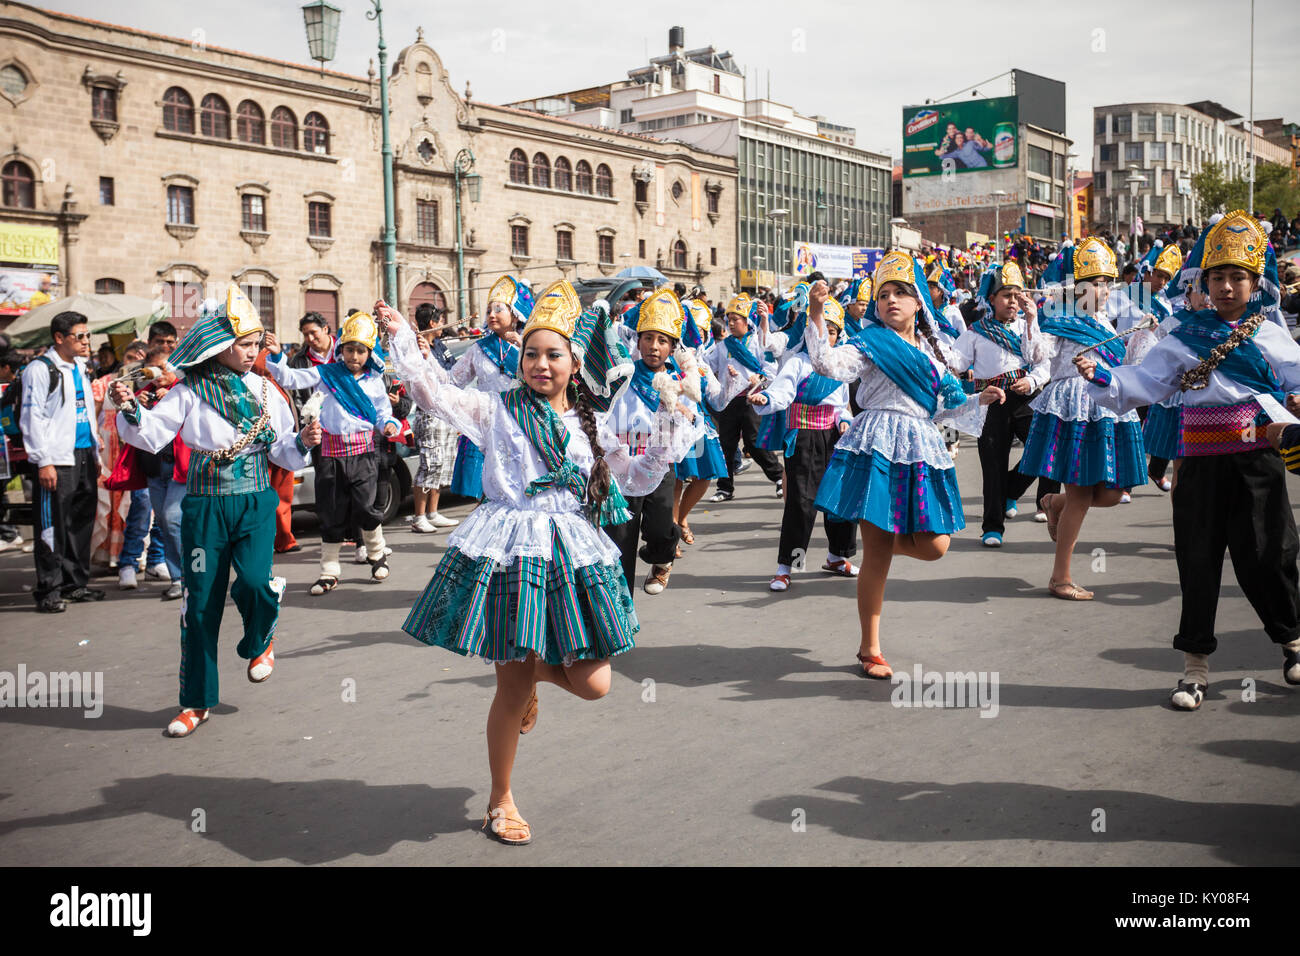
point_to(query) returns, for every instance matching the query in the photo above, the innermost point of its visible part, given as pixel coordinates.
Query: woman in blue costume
(1093, 452)
(890, 471)
(491, 364)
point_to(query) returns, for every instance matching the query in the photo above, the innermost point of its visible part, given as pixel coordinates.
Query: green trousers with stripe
(218, 533)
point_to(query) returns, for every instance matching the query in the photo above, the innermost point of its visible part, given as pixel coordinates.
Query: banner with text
(835, 262)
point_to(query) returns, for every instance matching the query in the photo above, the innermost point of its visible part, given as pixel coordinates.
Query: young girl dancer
(1093, 452)
(816, 413)
(529, 580)
(233, 423)
(890, 471)
(491, 365)
(1227, 361)
(705, 462)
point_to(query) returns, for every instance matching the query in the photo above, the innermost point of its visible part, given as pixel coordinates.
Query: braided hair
(599, 481)
(925, 328)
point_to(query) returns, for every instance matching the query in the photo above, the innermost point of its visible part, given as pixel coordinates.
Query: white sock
(329, 559)
(374, 542)
(1196, 669)
(783, 569)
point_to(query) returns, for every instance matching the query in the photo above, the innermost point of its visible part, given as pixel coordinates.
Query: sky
(854, 63)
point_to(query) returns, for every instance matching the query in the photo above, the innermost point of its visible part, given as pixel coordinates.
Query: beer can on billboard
(1004, 144)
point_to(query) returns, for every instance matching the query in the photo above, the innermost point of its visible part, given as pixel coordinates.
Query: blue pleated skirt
(1105, 451)
(1162, 430)
(709, 465)
(771, 431)
(467, 479)
(902, 498)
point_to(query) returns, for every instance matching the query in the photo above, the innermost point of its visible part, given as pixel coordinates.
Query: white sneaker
(361, 554)
(1040, 517)
(126, 579)
(159, 571)
(439, 521)
(1125, 498)
(422, 525)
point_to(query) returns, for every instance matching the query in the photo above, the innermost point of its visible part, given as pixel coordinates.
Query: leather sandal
(658, 579)
(872, 660)
(379, 568)
(1068, 590)
(1187, 696)
(187, 721)
(324, 584)
(688, 537)
(499, 823)
(266, 660)
(530, 714)
(779, 582)
(842, 568)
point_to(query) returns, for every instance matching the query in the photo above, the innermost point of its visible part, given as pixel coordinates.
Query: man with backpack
(62, 443)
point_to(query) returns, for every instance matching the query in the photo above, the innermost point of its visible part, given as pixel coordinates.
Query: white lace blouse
(511, 523)
(475, 367)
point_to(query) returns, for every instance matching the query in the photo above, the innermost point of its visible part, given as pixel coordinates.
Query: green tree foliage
(1216, 193)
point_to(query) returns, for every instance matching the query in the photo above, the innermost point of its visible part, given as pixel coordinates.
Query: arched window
(641, 190)
(604, 181)
(19, 185)
(315, 134)
(563, 176)
(584, 177)
(109, 287)
(214, 117)
(679, 255)
(541, 171)
(178, 111)
(284, 128)
(518, 167)
(250, 123)
(426, 292)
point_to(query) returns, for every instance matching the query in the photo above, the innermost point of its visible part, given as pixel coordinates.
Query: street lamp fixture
(894, 225)
(322, 22)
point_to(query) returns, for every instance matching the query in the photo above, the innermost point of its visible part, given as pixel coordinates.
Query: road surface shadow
(354, 593)
(933, 812)
(1284, 754)
(113, 718)
(342, 642)
(305, 821)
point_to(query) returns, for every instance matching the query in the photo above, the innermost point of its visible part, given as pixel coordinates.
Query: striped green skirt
(474, 606)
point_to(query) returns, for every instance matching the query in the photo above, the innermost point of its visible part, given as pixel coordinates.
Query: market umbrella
(105, 315)
(642, 272)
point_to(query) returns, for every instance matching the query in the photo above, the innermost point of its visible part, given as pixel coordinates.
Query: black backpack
(11, 403)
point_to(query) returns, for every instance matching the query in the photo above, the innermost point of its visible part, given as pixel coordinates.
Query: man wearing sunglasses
(62, 443)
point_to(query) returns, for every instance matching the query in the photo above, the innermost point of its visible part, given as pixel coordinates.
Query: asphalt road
(738, 731)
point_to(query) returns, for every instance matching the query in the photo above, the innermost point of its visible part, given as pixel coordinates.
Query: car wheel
(389, 499)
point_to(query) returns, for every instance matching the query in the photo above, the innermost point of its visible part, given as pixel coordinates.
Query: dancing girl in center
(530, 581)
(890, 471)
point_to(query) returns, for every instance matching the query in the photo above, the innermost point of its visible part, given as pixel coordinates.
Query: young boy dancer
(1230, 364)
(234, 424)
(355, 405)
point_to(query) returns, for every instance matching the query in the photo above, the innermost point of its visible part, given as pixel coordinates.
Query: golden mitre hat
(557, 309)
(1011, 275)
(833, 313)
(701, 313)
(1170, 260)
(361, 328)
(503, 290)
(1092, 258)
(661, 312)
(935, 275)
(1236, 240)
(739, 305)
(896, 266)
(865, 288)
(241, 313)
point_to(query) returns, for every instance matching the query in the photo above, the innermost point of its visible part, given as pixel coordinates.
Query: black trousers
(736, 422)
(345, 495)
(1009, 420)
(804, 471)
(1238, 503)
(64, 519)
(652, 520)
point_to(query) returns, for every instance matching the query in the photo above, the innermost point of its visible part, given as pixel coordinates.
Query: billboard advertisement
(839, 262)
(931, 194)
(964, 137)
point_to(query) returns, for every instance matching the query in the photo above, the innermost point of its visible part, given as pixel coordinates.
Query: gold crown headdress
(241, 313)
(1011, 275)
(739, 305)
(661, 312)
(1092, 258)
(1237, 240)
(361, 328)
(865, 288)
(833, 313)
(557, 309)
(896, 266)
(503, 290)
(1169, 261)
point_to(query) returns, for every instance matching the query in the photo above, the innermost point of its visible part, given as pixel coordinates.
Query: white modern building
(830, 190)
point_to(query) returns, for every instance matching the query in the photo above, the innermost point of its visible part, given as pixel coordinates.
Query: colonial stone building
(169, 167)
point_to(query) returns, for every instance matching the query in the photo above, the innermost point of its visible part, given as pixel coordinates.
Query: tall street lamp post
(321, 20)
(779, 215)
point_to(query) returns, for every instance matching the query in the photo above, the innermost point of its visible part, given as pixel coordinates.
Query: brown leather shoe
(658, 579)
